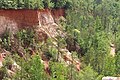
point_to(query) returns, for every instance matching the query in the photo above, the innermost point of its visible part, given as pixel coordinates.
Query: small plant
(31, 70)
(89, 73)
(26, 37)
(48, 4)
(2, 73)
(59, 71)
(62, 4)
(6, 40)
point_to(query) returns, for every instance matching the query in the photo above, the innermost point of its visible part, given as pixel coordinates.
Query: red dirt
(29, 17)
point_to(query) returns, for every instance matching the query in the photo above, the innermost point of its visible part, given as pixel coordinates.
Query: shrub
(117, 61)
(89, 74)
(48, 4)
(62, 3)
(26, 37)
(21, 4)
(59, 71)
(6, 40)
(109, 66)
(31, 70)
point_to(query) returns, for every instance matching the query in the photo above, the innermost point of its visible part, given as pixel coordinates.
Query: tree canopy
(34, 4)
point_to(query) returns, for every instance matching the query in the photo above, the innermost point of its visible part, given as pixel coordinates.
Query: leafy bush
(4, 4)
(59, 71)
(31, 70)
(66, 4)
(89, 73)
(2, 73)
(48, 4)
(109, 66)
(26, 37)
(6, 40)
(117, 61)
(21, 4)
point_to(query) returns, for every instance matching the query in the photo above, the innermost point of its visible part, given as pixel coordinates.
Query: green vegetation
(99, 25)
(91, 24)
(34, 4)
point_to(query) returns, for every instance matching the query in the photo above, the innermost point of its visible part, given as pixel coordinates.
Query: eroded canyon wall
(14, 19)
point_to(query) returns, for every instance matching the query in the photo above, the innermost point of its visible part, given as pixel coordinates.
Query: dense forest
(35, 4)
(91, 28)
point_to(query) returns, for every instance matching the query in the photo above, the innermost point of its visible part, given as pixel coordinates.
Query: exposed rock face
(47, 24)
(23, 17)
(112, 50)
(67, 56)
(28, 18)
(6, 23)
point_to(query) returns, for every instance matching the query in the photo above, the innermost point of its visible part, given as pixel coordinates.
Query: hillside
(59, 40)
